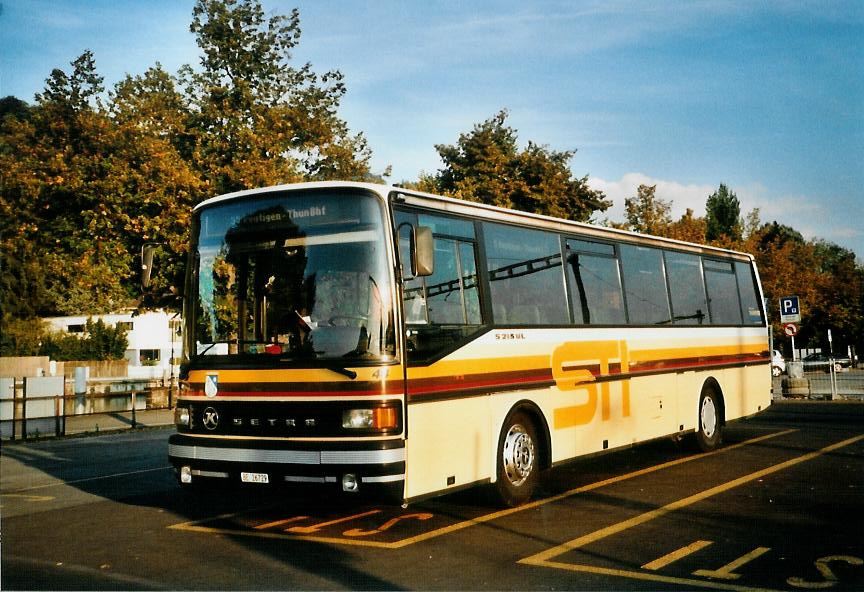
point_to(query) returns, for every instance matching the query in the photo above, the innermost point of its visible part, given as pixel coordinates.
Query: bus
(379, 339)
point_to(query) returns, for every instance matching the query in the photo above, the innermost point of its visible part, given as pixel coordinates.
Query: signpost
(831, 368)
(790, 316)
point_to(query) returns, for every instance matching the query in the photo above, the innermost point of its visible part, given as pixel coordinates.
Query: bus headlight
(181, 416)
(378, 418)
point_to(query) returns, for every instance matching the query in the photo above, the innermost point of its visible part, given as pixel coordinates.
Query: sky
(765, 97)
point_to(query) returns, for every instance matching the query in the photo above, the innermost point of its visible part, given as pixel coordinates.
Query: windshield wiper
(343, 371)
(209, 347)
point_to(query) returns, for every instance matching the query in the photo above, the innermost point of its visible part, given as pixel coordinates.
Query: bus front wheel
(710, 425)
(518, 460)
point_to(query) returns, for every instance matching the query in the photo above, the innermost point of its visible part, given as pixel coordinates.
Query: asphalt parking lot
(779, 507)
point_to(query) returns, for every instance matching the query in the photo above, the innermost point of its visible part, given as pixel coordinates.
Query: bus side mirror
(416, 250)
(424, 252)
(147, 252)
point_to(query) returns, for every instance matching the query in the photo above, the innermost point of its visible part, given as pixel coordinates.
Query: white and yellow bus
(375, 337)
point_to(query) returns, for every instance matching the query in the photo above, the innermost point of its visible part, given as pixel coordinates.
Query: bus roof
(489, 212)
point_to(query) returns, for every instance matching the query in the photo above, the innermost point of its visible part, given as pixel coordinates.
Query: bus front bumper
(353, 464)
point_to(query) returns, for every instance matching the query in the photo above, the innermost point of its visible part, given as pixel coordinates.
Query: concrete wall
(106, 369)
(19, 367)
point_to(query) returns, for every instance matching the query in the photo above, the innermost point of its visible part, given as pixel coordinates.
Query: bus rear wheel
(518, 460)
(709, 429)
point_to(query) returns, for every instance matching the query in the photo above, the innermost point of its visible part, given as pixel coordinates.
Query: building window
(75, 328)
(125, 325)
(149, 357)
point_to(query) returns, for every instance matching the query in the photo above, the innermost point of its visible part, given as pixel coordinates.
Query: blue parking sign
(790, 310)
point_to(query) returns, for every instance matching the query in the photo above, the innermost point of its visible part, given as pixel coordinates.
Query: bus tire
(709, 425)
(518, 460)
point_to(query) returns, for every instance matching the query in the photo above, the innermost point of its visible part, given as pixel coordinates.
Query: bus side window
(645, 286)
(687, 287)
(526, 280)
(750, 308)
(595, 283)
(444, 308)
(452, 290)
(723, 301)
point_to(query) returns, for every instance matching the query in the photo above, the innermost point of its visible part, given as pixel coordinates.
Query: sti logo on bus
(572, 365)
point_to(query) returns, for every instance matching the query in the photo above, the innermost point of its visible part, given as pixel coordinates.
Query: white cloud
(776, 207)
(682, 196)
(805, 214)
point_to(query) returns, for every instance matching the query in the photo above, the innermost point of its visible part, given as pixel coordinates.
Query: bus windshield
(294, 275)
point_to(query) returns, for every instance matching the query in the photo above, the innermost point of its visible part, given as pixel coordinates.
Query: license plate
(254, 478)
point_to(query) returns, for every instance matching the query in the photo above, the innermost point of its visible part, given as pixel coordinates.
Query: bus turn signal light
(384, 418)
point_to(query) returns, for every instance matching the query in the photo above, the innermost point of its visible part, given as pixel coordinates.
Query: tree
(13, 107)
(60, 221)
(722, 215)
(778, 233)
(153, 176)
(256, 119)
(486, 166)
(841, 292)
(647, 213)
(99, 342)
(21, 336)
(687, 228)
(86, 180)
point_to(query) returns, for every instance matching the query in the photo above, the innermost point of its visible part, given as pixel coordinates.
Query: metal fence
(843, 385)
(40, 406)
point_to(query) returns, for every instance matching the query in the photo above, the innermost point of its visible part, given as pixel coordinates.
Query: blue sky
(766, 97)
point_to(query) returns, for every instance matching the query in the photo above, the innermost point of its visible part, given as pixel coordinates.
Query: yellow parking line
(276, 523)
(654, 577)
(197, 526)
(676, 555)
(544, 558)
(727, 572)
(583, 489)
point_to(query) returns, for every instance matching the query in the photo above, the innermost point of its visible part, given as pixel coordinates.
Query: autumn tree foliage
(256, 119)
(826, 277)
(646, 213)
(487, 166)
(88, 177)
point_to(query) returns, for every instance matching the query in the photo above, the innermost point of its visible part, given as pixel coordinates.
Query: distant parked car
(821, 362)
(778, 364)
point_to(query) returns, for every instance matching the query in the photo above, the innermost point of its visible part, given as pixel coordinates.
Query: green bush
(101, 342)
(31, 337)
(21, 337)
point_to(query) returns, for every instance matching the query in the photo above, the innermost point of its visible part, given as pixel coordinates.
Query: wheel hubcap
(708, 417)
(518, 455)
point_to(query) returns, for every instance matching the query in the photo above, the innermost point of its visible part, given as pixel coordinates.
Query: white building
(155, 339)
